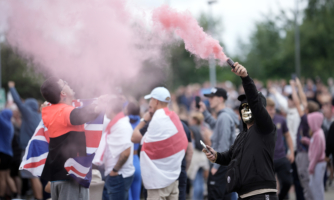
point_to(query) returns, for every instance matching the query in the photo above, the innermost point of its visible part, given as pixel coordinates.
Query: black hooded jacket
(251, 156)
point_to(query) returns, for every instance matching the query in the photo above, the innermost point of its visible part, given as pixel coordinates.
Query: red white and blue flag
(80, 168)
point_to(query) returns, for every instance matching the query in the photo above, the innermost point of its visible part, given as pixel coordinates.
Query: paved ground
(329, 195)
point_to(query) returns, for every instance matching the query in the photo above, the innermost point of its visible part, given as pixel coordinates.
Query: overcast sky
(238, 16)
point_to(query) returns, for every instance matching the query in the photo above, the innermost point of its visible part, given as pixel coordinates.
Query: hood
(315, 120)
(31, 103)
(232, 114)
(243, 99)
(7, 114)
(134, 118)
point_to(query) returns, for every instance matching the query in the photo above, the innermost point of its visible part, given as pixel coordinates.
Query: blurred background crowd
(25, 116)
(293, 43)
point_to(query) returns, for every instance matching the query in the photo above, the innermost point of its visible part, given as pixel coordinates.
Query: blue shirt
(30, 117)
(135, 120)
(6, 132)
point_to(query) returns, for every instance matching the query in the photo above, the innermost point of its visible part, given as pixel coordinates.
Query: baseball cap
(216, 91)
(160, 94)
(243, 99)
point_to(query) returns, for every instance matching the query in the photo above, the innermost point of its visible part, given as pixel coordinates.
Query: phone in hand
(294, 76)
(197, 100)
(204, 146)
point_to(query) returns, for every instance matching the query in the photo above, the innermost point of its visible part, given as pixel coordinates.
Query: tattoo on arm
(122, 158)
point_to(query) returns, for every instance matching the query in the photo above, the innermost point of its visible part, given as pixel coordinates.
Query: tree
(271, 52)
(187, 68)
(14, 68)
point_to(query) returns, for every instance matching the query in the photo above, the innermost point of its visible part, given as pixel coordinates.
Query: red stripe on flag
(93, 138)
(35, 164)
(75, 171)
(41, 132)
(170, 146)
(114, 121)
(46, 133)
(111, 123)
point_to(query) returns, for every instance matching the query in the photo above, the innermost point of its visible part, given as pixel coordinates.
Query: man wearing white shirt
(118, 156)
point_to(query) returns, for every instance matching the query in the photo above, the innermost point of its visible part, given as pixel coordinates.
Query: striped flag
(79, 168)
(164, 146)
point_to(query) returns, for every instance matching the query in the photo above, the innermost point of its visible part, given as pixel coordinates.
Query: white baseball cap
(160, 94)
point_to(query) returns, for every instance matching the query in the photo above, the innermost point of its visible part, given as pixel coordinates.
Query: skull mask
(246, 114)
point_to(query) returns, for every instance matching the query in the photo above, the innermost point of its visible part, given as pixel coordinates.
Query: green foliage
(270, 55)
(14, 68)
(317, 39)
(187, 68)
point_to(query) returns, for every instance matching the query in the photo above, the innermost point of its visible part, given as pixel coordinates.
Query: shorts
(14, 168)
(5, 161)
(198, 161)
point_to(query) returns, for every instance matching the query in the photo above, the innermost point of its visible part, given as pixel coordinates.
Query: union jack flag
(79, 168)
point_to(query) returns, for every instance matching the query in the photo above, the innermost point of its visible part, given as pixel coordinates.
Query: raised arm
(295, 98)
(83, 115)
(282, 101)
(301, 93)
(207, 116)
(259, 112)
(16, 97)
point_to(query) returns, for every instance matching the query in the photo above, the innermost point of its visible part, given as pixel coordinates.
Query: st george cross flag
(98, 159)
(164, 146)
(78, 168)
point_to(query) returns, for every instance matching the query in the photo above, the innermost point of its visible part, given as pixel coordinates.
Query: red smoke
(89, 43)
(185, 25)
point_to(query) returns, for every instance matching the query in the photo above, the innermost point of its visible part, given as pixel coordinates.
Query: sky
(239, 17)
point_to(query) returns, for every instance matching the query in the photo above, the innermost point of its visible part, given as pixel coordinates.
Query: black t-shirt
(187, 131)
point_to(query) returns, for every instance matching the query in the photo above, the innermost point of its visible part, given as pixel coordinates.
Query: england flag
(164, 146)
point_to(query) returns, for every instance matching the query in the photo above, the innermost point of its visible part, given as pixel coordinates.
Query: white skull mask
(246, 114)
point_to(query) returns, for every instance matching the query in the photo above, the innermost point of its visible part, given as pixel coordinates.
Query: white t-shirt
(292, 117)
(293, 122)
(118, 141)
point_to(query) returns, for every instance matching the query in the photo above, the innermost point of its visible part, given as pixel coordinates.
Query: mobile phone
(197, 100)
(204, 146)
(294, 76)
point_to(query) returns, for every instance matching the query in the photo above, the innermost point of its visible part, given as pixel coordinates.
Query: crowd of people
(153, 144)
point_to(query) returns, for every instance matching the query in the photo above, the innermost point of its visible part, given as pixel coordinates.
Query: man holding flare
(250, 170)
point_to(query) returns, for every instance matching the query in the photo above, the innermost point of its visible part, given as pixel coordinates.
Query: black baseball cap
(216, 91)
(243, 99)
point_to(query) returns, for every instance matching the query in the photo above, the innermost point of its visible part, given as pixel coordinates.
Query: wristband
(143, 120)
(114, 170)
